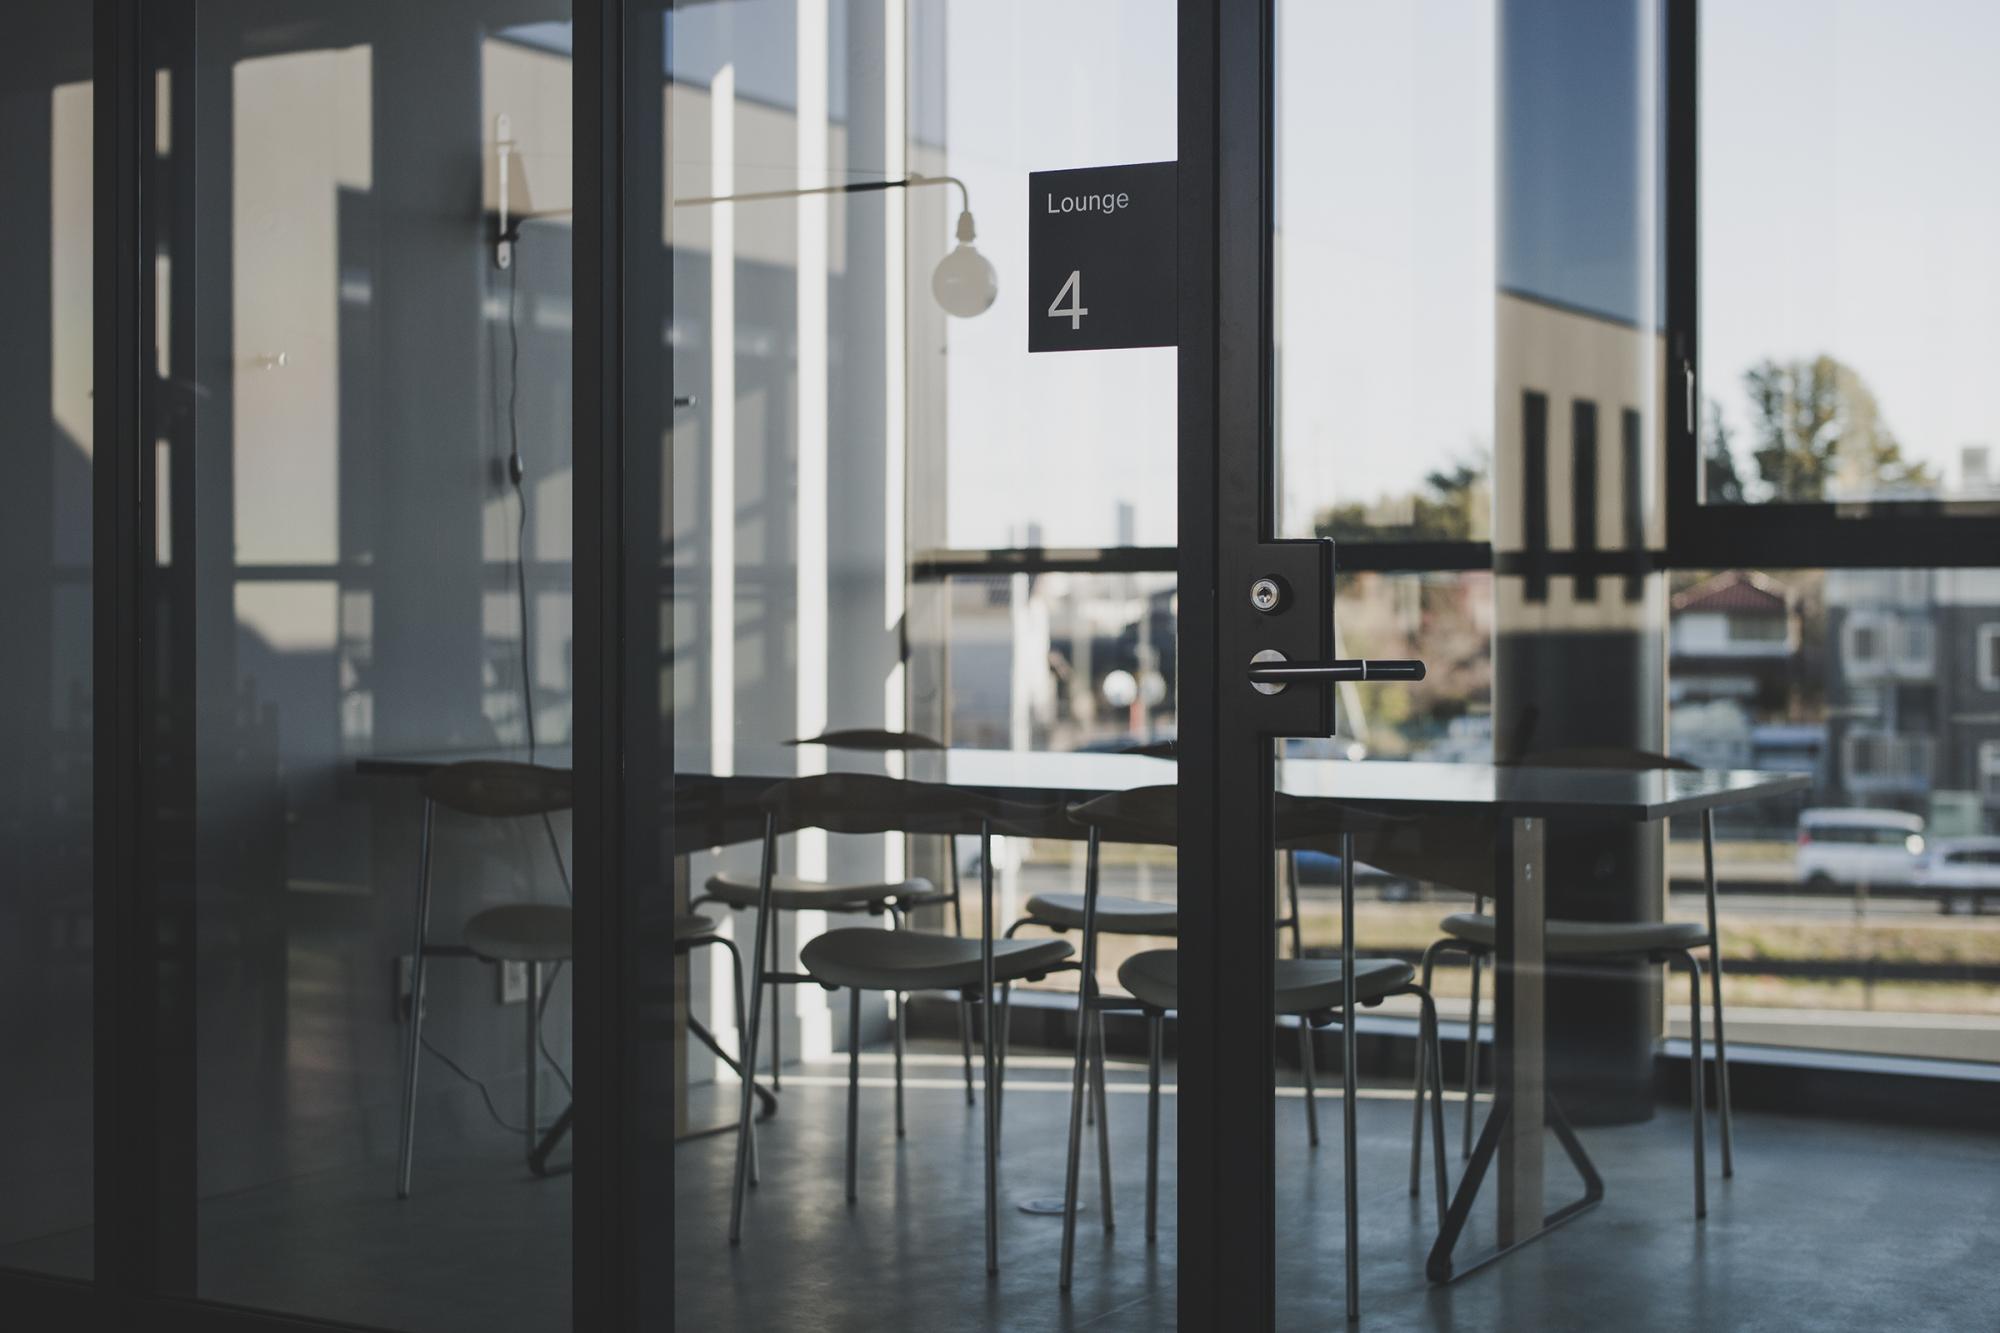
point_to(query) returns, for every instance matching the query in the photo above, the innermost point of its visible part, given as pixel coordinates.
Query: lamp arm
(845, 187)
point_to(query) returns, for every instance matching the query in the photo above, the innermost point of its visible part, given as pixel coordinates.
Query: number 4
(1073, 289)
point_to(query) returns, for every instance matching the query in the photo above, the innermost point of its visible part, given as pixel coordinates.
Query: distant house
(1914, 687)
(1733, 638)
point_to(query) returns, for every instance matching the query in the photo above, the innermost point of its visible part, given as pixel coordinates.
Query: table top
(1509, 791)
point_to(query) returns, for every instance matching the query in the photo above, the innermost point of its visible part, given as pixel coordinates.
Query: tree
(1718, 460)
(1449, 507)
(1817, 426)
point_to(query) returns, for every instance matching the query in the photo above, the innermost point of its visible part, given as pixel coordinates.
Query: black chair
(895, 961)
(1318, 992)
(536, 934)
(1580, 943)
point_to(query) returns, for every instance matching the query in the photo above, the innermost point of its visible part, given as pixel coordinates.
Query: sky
(1849, 205)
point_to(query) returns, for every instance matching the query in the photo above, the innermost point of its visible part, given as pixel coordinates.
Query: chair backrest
(497, 789)
(873, 740)
(1605, 756)
(1315, 823)
(872, 803)
(1143, 814)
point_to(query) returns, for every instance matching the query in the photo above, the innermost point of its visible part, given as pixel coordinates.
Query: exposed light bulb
(964, 282)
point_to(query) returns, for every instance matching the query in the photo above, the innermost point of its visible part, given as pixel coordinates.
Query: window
(1987, 660)
(1989, 771)
(1847, 277)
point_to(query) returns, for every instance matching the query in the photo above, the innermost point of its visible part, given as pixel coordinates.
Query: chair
(794, 894)
(534, 933)
(693, 931)
(895, 961)
(1316, 991)
(1585, 942)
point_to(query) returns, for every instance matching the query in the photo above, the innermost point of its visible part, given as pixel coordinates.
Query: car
(1964, 873)
(1878, 848)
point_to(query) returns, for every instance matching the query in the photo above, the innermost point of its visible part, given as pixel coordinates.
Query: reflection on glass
(362, 471)
(1848, 281)
(1385, 268)
(830, 413)
(1854, 921)
(46, 911)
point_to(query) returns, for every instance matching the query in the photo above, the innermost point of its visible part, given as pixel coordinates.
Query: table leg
(1522, 1107)
(1519, 1026)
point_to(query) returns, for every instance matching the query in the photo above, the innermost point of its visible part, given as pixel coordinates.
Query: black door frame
(143, 1043)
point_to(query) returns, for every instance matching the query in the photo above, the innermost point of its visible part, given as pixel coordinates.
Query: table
(717, 810)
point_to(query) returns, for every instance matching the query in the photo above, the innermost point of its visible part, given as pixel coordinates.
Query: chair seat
(1304, 985)
(1115, 916)
(1588, 939)
(521, 933)
(789, 893)
(905, 960)
(693, 926)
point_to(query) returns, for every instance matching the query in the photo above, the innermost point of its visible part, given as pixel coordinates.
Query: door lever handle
(1271, 673)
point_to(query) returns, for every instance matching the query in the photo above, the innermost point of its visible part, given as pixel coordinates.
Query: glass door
(873, 534)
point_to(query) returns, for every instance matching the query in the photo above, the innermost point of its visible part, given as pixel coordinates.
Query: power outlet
(513, 983)
(405, 980)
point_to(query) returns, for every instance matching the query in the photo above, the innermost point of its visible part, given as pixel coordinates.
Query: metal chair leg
(1000, 1066)
(1417, 1081)
(1156, 1028)
(901, 1032)
(992, 1144)
(1697, 1109)
(853, 1082)
(1721, 1060)
(736, 964)
(407, 1149)
(777, 1020)
(1436, 1065)
(1306, 1074)
(1103, 1124)
(1471, 1057)
(532, 1105)
(1715, 984)
(964, 1003)
(749, 1081)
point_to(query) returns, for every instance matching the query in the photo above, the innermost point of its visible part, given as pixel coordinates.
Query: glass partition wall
(847, 403)
(312, 299)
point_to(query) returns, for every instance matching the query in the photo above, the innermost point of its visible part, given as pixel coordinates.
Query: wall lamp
(964, 281)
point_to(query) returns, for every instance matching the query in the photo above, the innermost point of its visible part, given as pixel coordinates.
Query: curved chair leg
(1697, 1106)
(1721, 1059)
(736, 969)
(1000, 1064)
(1103, 1123)
(853, 1082)
(964, 1001)
(1002, 1018)
(1076, 1101)
(1422, 1072)
(1156, 1028)
(1350, 1164)
(1306, 1073)
(1471, 1056)
(1435, 1062)
(777, 1020)
(901, 1038)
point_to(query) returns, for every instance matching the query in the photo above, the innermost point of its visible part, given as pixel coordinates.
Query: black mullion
(603, 1269)
(1227, 1252)
(1583, 491)
(126, 1087)
(1683, 221)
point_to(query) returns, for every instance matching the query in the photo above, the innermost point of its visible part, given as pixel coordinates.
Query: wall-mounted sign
(1101, 258)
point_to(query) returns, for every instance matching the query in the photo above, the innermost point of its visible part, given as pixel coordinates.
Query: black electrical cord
(516, 473)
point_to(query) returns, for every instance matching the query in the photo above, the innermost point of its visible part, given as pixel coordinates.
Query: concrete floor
(1829, 1225)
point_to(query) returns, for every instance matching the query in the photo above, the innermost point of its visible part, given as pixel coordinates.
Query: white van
(1879, 848)
(1963, 872)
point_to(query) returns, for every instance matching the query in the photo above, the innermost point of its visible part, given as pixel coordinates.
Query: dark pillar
(1578, 654)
